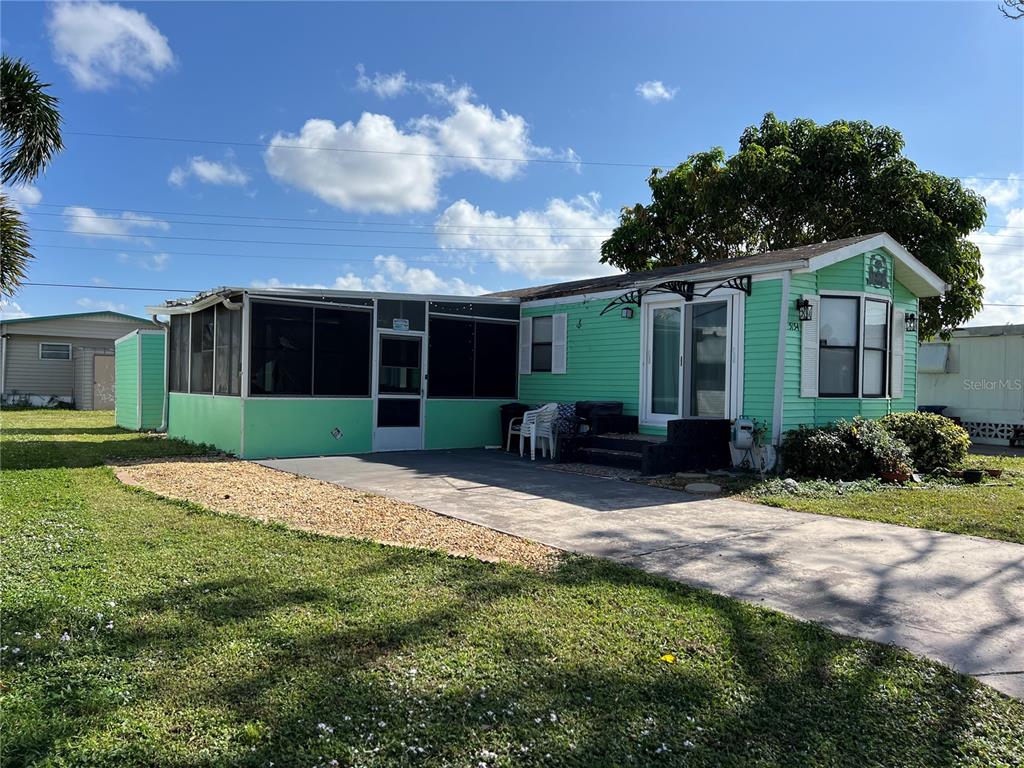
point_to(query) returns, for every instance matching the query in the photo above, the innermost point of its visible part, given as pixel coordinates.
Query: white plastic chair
(535, 424)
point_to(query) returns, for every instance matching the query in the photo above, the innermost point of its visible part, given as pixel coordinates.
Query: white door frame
(733, 368)
(398, 438)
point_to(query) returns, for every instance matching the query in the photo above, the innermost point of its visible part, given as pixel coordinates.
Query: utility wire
(306, 147)
(555, 231)
(189, 290)
(384, 247)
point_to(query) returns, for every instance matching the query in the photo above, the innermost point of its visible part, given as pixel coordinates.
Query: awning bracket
(683, 288)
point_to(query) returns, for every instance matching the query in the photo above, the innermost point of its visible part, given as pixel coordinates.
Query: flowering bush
(934, 440)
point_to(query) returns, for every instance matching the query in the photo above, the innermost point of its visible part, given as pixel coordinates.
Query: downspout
(780, 363)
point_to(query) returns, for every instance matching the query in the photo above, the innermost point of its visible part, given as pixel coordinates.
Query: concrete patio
(956, 599)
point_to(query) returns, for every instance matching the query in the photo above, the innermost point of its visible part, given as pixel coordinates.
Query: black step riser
(617, 444)
(620, 460)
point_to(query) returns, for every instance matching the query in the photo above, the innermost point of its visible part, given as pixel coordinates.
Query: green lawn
(138, 631)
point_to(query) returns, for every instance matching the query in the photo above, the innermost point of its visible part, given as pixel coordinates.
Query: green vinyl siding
(126, 382)
(760, 349)
(602, 358)
(152, 379)
(206, 419)
(462, 423)
(282, 427)
(849, 275)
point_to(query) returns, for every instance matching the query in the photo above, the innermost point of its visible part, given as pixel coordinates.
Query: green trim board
(301, 426)
(462, 423)
(760, 350)
(206, 419)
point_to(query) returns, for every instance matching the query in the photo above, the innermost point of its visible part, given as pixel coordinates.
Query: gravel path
(243, 488)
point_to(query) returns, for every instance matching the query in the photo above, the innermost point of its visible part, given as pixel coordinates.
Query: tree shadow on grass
(480, 666)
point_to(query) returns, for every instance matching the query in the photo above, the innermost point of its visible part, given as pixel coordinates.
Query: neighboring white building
(63, 358)
(979, 375)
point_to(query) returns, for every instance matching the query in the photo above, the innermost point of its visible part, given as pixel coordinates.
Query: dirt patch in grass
(243, 488)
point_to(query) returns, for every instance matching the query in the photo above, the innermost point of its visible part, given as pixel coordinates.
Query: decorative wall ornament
(878, 271)
(684, 288)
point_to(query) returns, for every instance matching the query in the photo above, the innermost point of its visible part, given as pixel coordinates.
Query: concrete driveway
(956, 599)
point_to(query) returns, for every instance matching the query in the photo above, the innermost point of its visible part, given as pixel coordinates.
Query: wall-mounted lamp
(910, 319)
(804, 309)
(627, 313)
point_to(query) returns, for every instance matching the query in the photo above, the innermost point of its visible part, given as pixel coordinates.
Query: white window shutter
(809, 350)
(525, 344)
(559, 339)
(896, 353)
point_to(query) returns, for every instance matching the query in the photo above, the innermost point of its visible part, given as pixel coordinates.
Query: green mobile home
(800, 336)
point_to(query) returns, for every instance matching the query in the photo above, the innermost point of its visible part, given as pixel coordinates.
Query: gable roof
(96, 314)
(912, 273)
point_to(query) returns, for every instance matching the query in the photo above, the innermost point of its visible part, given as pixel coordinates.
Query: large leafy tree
(798, 183)
(29, 138)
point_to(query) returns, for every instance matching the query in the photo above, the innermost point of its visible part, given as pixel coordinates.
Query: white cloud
(22, 196)
(11, 310)
(392, 274)
(155, 262)
(563, 241)
(85, 221)
(376, 166)
(1002, 256)
(362, 180)
(654, 91)
(208, 172)
(100, 43)
(385, 86)
(95, 305)
(999, 193)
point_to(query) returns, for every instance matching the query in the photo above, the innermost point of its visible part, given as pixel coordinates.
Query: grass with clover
(138, 631)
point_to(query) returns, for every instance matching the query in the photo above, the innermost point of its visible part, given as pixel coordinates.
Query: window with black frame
(228, 360)
(838, 331)
(177, 354)
(342, 345)
(281, 354)
(876, 347)
(201, 371)
(303, 351)
(472, 358)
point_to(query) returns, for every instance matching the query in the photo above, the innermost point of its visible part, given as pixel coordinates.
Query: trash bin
(510, 411)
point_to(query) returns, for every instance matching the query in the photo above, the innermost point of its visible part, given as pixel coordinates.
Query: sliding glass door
(686, 360)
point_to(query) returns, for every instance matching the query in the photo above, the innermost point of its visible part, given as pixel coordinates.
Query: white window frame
(863, 297)
(733, 360)
(55, 344)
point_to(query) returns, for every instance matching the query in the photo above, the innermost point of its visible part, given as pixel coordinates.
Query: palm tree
(30, 127)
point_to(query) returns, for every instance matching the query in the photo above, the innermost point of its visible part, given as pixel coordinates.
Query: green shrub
(844, 450)
(814, 452)
(934, 440)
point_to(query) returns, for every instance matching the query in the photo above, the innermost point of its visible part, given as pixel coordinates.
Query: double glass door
(686, 360)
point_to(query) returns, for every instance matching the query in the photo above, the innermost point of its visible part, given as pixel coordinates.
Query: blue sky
(421, 88)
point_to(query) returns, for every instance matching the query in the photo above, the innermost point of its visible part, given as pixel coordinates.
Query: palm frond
(29, 121)
(15, 248)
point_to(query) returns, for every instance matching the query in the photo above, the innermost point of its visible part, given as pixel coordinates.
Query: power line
(312, 221)
(378, 246)
(111, 287)
(191, 290)
(554, 231)
(360, 150)
(284, 226)
(334, 259)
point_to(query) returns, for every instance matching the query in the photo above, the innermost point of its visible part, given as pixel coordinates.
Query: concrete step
(609, 457)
